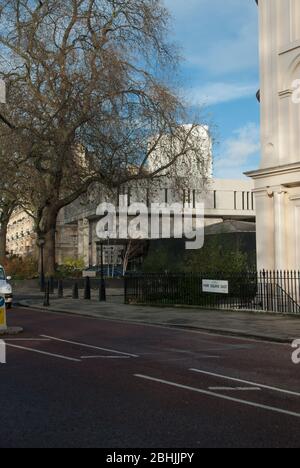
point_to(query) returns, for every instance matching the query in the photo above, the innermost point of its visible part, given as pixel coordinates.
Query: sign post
(3, 324)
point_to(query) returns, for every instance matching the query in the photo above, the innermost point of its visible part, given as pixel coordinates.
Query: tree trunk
(49, 253)
(3, 233)
(46, 235)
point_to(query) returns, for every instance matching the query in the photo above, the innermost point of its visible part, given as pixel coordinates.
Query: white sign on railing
(215, 286)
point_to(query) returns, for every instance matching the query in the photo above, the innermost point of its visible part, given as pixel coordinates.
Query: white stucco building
(277, 181)
(20, 238)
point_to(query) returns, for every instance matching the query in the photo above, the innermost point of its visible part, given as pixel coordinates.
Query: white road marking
(105, 357)
(59, 356)
(230, 347)
(199, 355)
(235, 389)
(218, 396)
(88, 346)
(208, 356)
(27, 339)
(247, 382)
(175, 350)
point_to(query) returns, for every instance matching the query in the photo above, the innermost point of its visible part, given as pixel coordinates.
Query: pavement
(72, 381)
(265, 326)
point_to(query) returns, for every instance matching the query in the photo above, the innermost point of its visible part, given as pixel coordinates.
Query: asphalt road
(72, 381)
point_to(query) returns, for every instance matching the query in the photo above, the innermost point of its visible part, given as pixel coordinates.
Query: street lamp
(102, 295)
(41, 243)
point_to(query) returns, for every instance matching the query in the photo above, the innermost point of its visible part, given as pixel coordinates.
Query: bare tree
(133, 250)
(88, 98)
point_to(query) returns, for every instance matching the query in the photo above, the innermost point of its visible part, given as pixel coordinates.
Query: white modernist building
(198, 162)
(223, 200)
(76, 231)
(277, 181)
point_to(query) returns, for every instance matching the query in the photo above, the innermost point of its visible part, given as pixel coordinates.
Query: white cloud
(238, 153)
(218, 92)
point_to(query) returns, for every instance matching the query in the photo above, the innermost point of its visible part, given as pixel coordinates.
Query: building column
(84, 241)
(93, 244)
(264, 229)
(293, 242)
(280, 230)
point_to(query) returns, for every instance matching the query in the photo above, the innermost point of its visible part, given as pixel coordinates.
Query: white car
(5, 288)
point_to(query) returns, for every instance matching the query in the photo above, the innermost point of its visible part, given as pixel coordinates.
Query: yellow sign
(2, 313)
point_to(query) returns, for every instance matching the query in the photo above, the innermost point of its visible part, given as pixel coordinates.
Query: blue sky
(219, 42)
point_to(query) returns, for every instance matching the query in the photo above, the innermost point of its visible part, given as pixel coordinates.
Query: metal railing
(270, 291)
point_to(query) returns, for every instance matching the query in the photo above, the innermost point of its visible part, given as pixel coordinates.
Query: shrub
(21, 267)
(71, 267)
(222, 253)
(214, 259)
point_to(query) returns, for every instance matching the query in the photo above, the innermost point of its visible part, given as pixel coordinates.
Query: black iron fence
(271, 291)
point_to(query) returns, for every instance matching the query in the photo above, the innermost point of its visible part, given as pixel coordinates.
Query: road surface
(73, 381)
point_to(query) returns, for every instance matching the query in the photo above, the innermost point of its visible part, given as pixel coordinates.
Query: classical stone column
(280, 229)
(84, 240)
(264, 229)
(293, 228)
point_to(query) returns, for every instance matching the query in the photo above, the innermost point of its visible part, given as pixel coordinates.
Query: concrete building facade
(277, 181)
(223, 200)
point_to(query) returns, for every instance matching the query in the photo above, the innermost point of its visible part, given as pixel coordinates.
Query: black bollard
(75, 294)
(47, 295)
(87, 288)
(60, 291)
(51, 285)
(102, 291)
(42, 282)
